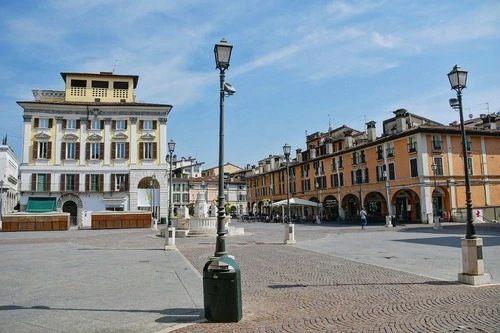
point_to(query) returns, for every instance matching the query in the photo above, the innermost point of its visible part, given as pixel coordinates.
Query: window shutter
(63, 150)
(64, 125)
(113, 124)
(141, 124)
(113, 150)
(63, 183)
(77, 183)
(366, 176)
(87, 151)
(113, 187)
(87, 183)
(33, 181)
(36, 123)
(101, 151)
(49, 150)
(77, 150)
(50, 123)
(35, 149)
(141, 150)
(352, 177)
(154, 124)
(49, 184)
(127, 185)
(127, 155)
(101, 126)
(126, 122)
(101, 183)
(78, 123)
(154, 150)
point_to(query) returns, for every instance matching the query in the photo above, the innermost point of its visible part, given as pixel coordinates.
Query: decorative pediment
(70, 137)
(42, 136)
(94, 137)
(120, 137)
(148, 137)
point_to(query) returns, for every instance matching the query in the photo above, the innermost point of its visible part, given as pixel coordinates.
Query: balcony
(437, 145)
(390, 152)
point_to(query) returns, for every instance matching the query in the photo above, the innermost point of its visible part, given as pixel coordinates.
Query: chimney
(489, 122)
(348, 138)
(371, 132)
(298, 155)
(401, 115)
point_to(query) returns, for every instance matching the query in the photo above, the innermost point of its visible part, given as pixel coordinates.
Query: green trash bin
(163, 220)
(222, 290)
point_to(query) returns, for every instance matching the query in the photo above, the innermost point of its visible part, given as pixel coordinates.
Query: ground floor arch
(407, 206)
(72, 204)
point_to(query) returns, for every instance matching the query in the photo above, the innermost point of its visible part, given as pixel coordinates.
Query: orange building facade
(412, 172)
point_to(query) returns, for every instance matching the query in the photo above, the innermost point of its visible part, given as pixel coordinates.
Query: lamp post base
(388, 221)
(472, 263)
(437, 223)
(289, 233)
(170, 239)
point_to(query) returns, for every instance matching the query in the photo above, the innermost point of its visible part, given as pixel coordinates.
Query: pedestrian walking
(362, 215)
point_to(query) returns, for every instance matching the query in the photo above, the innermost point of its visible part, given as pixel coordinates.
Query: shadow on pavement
(431, 283)
(450, 241)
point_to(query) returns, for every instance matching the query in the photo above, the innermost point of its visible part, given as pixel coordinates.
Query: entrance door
(71, 208)
(401, 209)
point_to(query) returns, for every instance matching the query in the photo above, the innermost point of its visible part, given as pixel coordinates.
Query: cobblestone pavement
(288, 289)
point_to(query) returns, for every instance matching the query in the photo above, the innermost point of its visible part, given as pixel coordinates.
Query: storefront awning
(41, 205)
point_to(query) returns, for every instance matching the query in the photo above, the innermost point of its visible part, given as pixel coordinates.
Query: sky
(298, 66)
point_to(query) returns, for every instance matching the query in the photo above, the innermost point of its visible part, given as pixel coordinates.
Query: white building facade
(92, 147)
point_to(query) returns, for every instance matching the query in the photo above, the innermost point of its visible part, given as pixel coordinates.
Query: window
(413, 168)
(341, 163)
(390, 150)
(147, 125)
(362, 157)
(305, 170)
(121, 124)
(70, 150)
(177, 197)
(43, 123)
(69, 182)
(121, 182)
(95, 124)
(470, 165)
(71, 124)
(380, 172)
(412, 145)
(94, 183)
(43, 150)
(79, 83)
(354, 158)
(120, 150)
(438, 161)
(380, 153)
(334, 164)
(95, 151)
(41, 182)
(392, 171)
(437, 143)
(148, 150)
(120, 85)
(185, 197)
(468, 144)
(100, 84)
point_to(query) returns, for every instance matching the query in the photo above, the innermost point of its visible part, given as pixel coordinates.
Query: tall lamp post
(458, 82)
(153, 203)
(388, 218)
(318, 217)
(289, 227)
(170, 234)
(437, 222)
(227, 306)
(472, 246)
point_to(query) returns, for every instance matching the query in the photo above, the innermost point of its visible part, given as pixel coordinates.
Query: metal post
(470, 230)
(170, 190)
(388, 218)
(220, 246)
(170, 230)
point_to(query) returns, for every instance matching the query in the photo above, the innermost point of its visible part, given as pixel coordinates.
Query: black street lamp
(437, 224)
(222, 51)
(170, 231)
(318, 216)
(458, 82)
(171, 148)
(286, 151)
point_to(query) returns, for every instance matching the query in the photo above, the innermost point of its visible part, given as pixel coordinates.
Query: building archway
(148, 195)
(72, 204)
(407, 204)
(331, 205)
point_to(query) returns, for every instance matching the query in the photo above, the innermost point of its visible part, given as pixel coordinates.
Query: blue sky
(297, 65)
